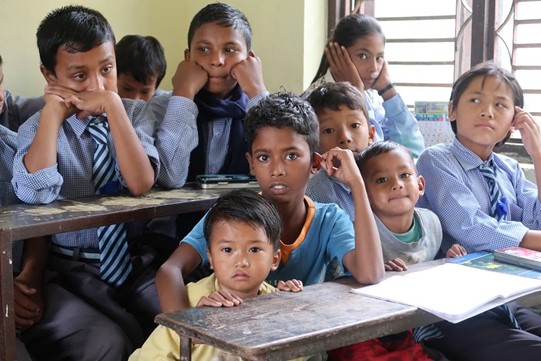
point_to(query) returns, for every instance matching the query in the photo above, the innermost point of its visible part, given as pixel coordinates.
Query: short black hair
(142, 57)
(224, 15)
(379, 148)
(244, 205)
(280, 110)
(334, 95)
(1, 62)
(485, 70)
(77, 28)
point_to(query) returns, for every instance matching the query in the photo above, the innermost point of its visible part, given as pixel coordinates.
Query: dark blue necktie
(498, 203)
(115, 263)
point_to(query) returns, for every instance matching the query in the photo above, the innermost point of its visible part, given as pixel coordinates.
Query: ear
(371, 133)
(421, 184)
(50, 78)
(250, 163)
(210, 259)
(451, 115)
(187, 54)
(276, 260)
(316, 162)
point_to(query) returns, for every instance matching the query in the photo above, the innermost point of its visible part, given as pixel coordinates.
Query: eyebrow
(103, 61)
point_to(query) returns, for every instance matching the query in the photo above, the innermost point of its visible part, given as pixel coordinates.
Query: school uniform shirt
(177, 135)
(164, 343)
(457, 192)
(71, 177)
(17, 110)
(424, 249)
(327, 234)
(391, 118)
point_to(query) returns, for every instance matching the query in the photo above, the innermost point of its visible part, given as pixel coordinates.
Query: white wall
(288, 35)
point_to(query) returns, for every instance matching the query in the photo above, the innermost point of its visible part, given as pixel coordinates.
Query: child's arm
(189, 79)
(366, 261)
(341, 66)
(530, 131)
(133, 162)
(249, 75)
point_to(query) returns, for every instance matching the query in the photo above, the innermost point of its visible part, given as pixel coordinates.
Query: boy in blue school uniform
(88, 141)
(484, 202)
(282, 136)
(140, 67)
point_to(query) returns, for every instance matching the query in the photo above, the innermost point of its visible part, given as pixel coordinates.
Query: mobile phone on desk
(207, 181)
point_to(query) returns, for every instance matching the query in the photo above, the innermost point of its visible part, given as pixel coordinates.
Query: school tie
(498, 203)
(115, 263)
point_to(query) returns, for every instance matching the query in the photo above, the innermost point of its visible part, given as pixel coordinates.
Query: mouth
(484, 125)
(278, 188)
(240, 276)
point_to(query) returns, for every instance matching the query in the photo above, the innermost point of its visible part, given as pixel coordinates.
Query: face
(1, 90)
(344, 128)
(367, 55)
(484, 114)
(217, 49)
(281, 161)
(241, 256)
(85, 71)
(130, 88)
(392, 184)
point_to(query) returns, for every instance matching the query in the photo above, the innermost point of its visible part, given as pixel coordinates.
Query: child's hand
(290, 286)
(249, 75)
(456, 250)
(340, 163)
(220, 298)
(384, 77)
(342, 68)
(94, 102)
(54, 99)
(396, 265)
(28, 303)
(530, 132)
(189, 79)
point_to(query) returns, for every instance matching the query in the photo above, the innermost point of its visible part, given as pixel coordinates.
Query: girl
(484, 202)
(355, 53)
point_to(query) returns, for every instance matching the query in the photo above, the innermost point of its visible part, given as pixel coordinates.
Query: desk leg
(7, 324)
(185, 348)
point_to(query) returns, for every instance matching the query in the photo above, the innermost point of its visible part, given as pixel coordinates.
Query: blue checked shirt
(326, 189)
(18, 109)
(71, 177)
(457, 192)
(176, 137)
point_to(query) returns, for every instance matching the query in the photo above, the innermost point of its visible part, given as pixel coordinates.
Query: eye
(230, 50)
(226, 250)
(255, 249)
(292, 156)
(362, 56)
(356, 125)
(405, 175)
(474, 100)
(79, 76)
(262, 158)
(108, 69)
(203, 49)
(381, 180)
(501, 105)
(328, 131)
(380, 58)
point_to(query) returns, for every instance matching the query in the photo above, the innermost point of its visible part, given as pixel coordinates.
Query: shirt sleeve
(527, 207)
(400, 126)
(40, 187)
(176, 137)
(342, 235)
(448, 194)
(197, 240)
(162, 344)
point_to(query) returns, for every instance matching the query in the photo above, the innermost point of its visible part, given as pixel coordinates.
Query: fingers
(290, 285)
(220, 298)
(396, 264)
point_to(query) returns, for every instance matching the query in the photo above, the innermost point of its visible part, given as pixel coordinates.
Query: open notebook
(452, 292)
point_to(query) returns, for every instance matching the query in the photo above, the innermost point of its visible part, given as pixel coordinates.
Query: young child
(218, 80)
(67, 151)
(243, 234)
(14, 110)
(343, 122)
(140, 66)
(355, 53)
(282, 136)
(482, 215)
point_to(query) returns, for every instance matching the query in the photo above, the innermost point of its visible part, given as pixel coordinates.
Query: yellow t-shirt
(164, 343)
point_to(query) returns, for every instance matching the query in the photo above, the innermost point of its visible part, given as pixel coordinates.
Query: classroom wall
(288, 35)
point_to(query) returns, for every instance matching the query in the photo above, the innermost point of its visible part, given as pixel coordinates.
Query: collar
(79, 125)
(466, 157)
(288, 248)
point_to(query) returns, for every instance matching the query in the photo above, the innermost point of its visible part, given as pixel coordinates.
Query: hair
(280, 110)
(1, 62)
(142, 57)
(76, 28)
(379, 148)
(224, 15)
(246, 206)
(485, 70)
(334, 95)
(348, 30)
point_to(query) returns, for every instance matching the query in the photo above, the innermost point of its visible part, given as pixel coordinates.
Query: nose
(344, 138)
(242, 260)
(217, 59)
(277, 169)
(397, 184)
(95, 82)
(487, 112)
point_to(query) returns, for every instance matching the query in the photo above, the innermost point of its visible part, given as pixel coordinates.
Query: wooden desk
(22, 221)
(286, 325)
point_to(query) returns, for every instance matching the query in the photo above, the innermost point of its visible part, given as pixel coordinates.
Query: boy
(486, 203)
(243, 234)
(67, 151)
(140, 67)
(343, 123)
(218, 80)
(282, 136)
(14, 110)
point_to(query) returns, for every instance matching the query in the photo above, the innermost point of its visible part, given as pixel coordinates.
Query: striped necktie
(115, 264)
(498, 203)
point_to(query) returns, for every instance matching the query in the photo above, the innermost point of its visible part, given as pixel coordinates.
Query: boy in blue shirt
(140, 66)
(88, 141)
(282, 134)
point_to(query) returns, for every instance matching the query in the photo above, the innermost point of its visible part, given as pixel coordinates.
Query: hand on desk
(396, 264)
(290, 286)
(220, 298)
(456, 250)
(28, 304)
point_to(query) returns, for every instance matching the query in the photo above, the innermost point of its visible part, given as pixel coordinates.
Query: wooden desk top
(285, 325)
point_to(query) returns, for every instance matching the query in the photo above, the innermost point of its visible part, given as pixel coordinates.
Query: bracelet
(387, 88)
